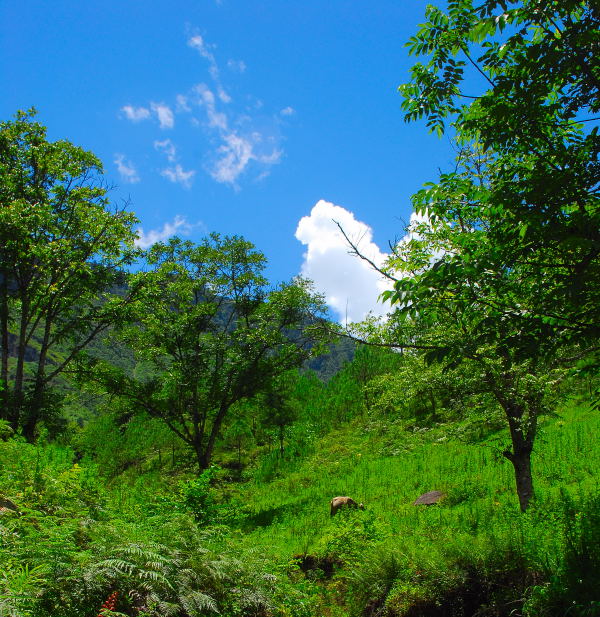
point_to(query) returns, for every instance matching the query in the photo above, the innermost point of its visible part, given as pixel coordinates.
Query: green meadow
(78, 538)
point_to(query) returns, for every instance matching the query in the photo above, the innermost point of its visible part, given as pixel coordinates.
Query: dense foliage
(211, 335)
(62, 250)
(500, 269)
(531, 103)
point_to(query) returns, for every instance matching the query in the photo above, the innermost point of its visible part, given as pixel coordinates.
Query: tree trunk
(520, 456)
(205, 455)
(204, 458)
(30, 419)
(34, 411)
(4, 413)
(524, 481)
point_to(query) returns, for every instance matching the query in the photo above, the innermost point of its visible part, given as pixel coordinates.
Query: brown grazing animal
(341, 502)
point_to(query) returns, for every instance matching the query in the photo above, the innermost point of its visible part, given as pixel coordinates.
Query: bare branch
(357, 253)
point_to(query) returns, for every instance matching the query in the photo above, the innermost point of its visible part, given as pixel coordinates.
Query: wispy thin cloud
(206, 97)
(234, 155)
(238, 66)
(164, 114)
(240, 143)
(126, 169)
(135, 114)
(161, 111)
(182, 103)
(223, 96)
(167, 147)
(205, 50)
(177, 175)
(178, 225)
(241, 137)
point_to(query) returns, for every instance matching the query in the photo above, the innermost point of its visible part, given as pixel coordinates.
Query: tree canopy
(522, 79)
(212, 334)
(62, 251)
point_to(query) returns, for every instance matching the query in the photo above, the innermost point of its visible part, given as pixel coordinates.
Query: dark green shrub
(573, 590)
(197, 496)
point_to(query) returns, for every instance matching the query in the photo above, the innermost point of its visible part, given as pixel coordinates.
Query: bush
(574, 589)
(197, 496)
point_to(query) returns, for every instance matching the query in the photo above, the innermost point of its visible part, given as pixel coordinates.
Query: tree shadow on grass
(265, 518)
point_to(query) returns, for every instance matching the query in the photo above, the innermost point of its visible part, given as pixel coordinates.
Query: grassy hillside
(168, 544)
(476, 525)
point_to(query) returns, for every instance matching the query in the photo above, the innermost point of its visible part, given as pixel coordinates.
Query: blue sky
(237, 116)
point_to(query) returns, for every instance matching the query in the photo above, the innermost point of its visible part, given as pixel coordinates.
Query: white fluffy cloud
(178, 175)
(350, 285)
(177, 225)
(287, 111)
(126, 169)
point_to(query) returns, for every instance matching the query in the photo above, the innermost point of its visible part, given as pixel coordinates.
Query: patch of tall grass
(472, 538)
(268, 546)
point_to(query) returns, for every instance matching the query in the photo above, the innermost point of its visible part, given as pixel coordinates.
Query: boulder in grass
(428, 499)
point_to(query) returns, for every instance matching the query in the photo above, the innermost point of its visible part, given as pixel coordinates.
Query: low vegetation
(167, 541)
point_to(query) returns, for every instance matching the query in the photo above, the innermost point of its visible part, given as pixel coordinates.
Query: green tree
(503, 269)
(414, 389)
(451, 298)
(214, 335)
(280, 408)
(522, 78)
(62, 252)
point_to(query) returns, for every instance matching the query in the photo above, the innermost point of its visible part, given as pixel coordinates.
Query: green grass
(478, 481)
(478, 524)
(475, 546)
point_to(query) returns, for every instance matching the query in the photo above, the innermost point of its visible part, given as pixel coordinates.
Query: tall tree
(522, 78)
(279, 409)
(454, 300)
(62, 251)
(214, 335)
(504, 269)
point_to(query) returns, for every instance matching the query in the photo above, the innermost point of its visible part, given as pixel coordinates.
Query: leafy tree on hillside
(521, 78)
(62, 251)
(280, 409)
(450, 298)
(503, 270)
(517, 260)
(214, 334)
